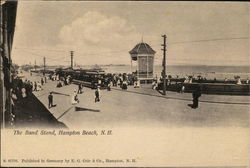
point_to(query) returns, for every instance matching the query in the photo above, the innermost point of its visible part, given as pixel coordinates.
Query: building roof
(142, 48)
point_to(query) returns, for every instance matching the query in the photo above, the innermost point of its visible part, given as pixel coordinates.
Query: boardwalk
(143, 107)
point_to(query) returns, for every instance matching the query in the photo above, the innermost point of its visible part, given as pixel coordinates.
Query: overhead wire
(107, 53)
(118, 51)
(218, 39)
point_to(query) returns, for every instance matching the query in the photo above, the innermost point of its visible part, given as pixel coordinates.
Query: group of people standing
(123, 80)
(75, 99)
(21, 94)
(63, 81)
(37, 85)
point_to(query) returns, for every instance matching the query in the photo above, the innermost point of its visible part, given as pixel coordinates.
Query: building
(7, 27)
(143, 54)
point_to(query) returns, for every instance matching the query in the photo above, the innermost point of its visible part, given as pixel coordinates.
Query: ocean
(210, 72)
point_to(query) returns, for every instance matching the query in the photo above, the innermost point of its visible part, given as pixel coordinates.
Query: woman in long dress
(74, 98)
(39, 86)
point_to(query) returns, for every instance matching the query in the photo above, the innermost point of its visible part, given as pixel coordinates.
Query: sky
(104, 32)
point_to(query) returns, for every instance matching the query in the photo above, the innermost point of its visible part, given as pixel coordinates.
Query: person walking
(65, 81)
(75, 98)
(50, 98)
(109, 86)
(42, 81)
(39, 86)
(79, 88)
(59, 84)
(68, 80)
(196, 95)
(35, 86)
(99, 82)
(97, 94)
(182, 88)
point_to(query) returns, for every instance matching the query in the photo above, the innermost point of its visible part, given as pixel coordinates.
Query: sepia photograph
(138, 83)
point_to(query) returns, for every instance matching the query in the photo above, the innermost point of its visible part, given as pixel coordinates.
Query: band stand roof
(141, 48)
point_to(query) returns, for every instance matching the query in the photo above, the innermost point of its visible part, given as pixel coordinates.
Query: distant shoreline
(187, 65)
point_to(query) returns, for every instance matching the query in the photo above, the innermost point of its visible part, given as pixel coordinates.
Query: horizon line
(130, 65)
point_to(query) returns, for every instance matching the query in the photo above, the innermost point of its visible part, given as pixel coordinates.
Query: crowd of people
(22, 88)
(21, 94)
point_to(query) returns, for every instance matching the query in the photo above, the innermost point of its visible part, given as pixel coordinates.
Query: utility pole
(71, 56)
(30, 69)
(35, 65)
(2, 80)
(44, 60)
(164, 64)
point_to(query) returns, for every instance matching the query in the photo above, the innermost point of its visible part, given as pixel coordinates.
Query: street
(143, 107)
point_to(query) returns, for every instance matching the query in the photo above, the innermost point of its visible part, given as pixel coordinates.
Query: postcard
(125, 84)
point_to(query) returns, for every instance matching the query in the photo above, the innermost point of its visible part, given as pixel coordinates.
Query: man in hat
(79, 88)
(196, 94)
(42, 81)
(50, 97)
(97, 94)
(35, 86)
